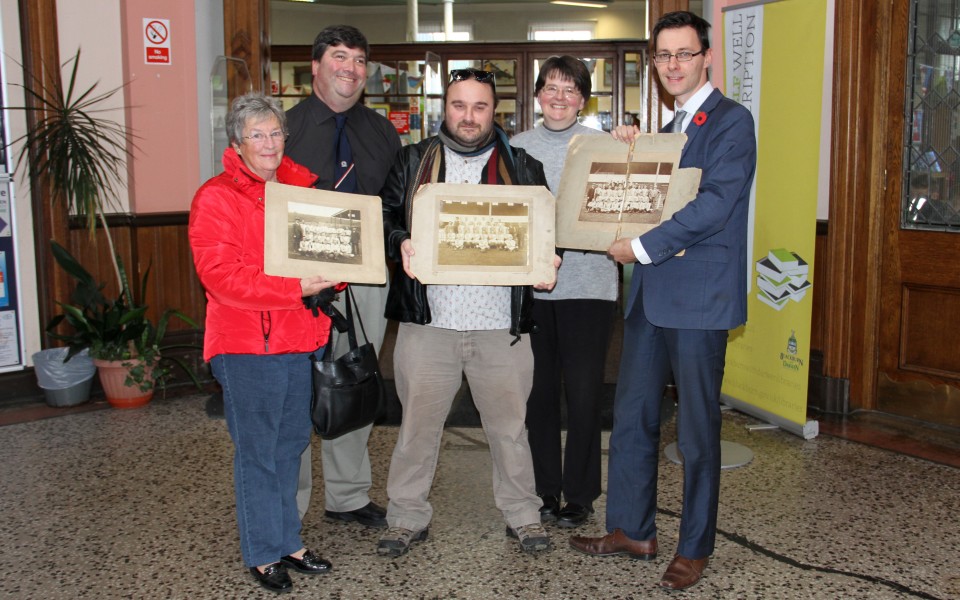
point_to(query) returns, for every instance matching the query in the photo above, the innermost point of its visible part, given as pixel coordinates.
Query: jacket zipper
(265, 326)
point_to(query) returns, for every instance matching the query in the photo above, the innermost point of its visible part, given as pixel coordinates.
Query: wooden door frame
(41, 65)
(866, 146)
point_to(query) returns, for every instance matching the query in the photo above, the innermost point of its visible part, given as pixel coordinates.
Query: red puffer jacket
(248, 312)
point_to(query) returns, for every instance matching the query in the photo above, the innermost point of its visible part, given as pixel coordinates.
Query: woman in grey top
(575, 320)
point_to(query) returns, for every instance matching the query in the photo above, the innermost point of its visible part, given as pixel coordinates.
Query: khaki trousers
(429, 364)
(346, 461)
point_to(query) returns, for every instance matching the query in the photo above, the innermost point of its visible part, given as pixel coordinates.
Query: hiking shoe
(396, 541)
(532, 537)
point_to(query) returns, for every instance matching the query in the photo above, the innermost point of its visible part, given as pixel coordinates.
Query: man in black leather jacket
(407, 301)
(448, 330)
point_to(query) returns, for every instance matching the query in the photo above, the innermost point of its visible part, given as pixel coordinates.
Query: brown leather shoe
(683, 572)
(615, 543)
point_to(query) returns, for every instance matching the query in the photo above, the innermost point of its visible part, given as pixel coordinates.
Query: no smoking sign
(156, 41)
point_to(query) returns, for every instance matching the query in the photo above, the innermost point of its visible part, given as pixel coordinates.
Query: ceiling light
(587, 3)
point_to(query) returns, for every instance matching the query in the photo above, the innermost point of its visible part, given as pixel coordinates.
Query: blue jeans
(267, 407)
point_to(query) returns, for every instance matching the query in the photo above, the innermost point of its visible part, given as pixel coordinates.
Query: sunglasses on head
(475, 74)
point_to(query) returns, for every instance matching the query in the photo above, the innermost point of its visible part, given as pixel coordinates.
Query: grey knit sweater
(583, 275)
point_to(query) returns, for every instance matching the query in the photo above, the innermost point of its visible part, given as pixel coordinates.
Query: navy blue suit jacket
(706, 288)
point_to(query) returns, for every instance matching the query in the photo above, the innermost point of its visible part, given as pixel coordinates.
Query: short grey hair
(254, 106)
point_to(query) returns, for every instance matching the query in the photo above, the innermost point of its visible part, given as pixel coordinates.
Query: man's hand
(549, 285)
(406, 251)
(314, 285)
(622, 251)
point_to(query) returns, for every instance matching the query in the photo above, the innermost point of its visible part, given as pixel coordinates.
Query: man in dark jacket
(339, 67)
(448, 330)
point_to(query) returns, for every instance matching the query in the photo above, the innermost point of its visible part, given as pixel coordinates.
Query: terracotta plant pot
(113, 376)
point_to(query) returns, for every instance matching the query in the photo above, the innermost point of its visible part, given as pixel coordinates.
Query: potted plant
(124, 343)
(84, 154)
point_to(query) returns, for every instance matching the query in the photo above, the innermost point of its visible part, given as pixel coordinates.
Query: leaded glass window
(931, 198)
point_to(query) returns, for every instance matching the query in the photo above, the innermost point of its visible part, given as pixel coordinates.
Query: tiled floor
(139, 504)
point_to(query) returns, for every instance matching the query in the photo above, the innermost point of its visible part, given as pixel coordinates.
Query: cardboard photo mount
(529, 246)
(586, 150)
(283, 202)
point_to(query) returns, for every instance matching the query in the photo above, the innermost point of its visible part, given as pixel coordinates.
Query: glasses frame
(569, 93)
(655, 57)
(277, 136)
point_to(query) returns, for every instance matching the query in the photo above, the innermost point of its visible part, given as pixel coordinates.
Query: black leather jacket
(407, 299)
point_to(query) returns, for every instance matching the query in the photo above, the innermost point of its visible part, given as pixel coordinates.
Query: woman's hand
(314, 285)
(625, 133)
(549, 285)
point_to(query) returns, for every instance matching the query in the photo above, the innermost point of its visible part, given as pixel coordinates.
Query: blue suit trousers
(696, 359)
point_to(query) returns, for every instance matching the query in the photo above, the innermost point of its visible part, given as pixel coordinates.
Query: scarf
(498, 171)
(479, 148)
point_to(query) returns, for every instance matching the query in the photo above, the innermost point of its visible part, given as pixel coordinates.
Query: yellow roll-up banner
(774, 65)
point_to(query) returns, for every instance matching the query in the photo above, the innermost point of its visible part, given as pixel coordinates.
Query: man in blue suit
(688, 290)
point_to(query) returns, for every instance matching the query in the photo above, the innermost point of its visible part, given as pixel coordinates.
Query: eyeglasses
(552, 90)
(475, 74)
(260, 137)
(682, 56)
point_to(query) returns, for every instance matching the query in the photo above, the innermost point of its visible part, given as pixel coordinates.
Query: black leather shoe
(370, 515)
(309, 563)
(550, 509)
(274, 578)
(573, 515)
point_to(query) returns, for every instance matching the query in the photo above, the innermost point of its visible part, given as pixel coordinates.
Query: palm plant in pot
(84, 155)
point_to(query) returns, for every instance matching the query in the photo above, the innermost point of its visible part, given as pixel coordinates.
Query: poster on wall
(9, 343)
(6, 220)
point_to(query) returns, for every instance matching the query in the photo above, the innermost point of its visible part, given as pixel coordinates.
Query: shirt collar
(696, 100)
(321, 112)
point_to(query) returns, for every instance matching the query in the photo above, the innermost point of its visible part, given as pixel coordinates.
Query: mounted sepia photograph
(610, 189)
(483, 234)
(311, 232)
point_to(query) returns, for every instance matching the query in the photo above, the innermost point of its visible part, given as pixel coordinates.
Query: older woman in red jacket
(258, 339)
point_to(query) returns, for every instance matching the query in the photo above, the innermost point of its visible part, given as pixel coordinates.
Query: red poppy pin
(700, 118)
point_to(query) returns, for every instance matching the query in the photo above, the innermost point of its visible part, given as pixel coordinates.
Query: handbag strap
(327, 349)
(349, 300)
(351, 332)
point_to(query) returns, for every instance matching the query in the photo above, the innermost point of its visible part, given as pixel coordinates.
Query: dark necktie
(345, 173)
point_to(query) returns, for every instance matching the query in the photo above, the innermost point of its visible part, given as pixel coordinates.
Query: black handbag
(347, 391)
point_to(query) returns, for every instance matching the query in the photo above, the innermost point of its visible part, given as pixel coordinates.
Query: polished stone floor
(139, 504)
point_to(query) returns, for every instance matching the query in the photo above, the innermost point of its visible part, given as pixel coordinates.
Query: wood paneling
(173, 282)
(156, 242)
(928, 333)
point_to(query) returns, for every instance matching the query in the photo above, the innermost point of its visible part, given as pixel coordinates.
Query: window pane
(432, 31)
(561, 30)
(931, 198)
(635, 86)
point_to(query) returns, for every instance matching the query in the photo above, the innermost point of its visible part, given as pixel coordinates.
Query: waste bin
(64, 383)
